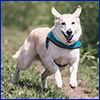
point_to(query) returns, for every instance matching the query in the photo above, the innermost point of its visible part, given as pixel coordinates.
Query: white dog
(56, 47)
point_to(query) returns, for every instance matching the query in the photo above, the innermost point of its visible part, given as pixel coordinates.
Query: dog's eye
(73, 22)
(63, 23)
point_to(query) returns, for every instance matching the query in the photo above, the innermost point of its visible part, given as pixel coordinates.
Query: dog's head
(67, 27)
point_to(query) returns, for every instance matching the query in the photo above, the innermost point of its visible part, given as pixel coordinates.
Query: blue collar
(51, 37)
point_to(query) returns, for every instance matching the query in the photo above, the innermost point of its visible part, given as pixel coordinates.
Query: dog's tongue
(69, 37)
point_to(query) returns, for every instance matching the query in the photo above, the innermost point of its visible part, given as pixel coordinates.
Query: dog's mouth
(68, 37)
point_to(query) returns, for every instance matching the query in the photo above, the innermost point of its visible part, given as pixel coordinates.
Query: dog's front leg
(58, 79)
(55, 69)
(73, 78)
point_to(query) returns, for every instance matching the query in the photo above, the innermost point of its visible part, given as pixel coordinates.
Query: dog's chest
(67, 57)
(64, 56)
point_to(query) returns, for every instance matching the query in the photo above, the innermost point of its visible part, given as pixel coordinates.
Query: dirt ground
(77, 93)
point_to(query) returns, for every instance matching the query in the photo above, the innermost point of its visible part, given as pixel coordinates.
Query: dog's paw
(58, 83)
(59, 86)
(14, 80)
(44, 83)
(73, 84)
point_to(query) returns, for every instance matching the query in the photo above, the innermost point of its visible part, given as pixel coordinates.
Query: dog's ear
(55, 13)
(77, 12)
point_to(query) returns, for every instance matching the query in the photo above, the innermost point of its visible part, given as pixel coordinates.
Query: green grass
(29, 82)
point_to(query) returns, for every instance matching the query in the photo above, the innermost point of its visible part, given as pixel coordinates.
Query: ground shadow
(27, 83)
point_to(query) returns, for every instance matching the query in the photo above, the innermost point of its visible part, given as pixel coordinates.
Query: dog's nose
(69, 32)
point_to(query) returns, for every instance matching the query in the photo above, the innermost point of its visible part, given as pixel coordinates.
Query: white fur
(35, 45)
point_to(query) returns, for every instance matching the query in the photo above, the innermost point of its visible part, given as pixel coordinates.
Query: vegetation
(18, 18)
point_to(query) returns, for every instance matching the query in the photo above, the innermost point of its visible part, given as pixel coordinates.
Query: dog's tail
(16, 55)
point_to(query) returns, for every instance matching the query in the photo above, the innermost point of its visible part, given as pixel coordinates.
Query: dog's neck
(55, 33)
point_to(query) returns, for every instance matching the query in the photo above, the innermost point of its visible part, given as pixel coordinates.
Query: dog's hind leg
(15, 77)
(24, 57)
(44, 76)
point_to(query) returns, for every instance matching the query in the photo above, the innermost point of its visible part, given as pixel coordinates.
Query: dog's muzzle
(69, 35)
